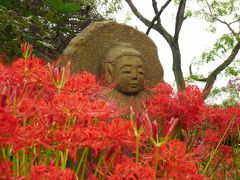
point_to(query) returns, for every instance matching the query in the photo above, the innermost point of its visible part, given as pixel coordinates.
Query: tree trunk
(176, 67)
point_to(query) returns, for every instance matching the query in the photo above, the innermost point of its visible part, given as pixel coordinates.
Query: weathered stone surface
(87, 50)
(120, 56)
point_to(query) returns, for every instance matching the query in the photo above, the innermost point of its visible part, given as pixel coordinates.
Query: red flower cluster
(174, 163)
(48, 116)
(219, 119)
(128, 169)
(50, 172)
(5, 170)
(186, 105)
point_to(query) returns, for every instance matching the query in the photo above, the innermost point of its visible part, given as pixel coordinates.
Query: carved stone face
(128, 74)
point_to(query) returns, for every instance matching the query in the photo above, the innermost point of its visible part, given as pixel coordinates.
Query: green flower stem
(112, 159)
(84, 165)
(58, 158)
(85, 152)
(64, 156)
(214, 152)
(99, 163)
(24, 162)
(4, 153)
(48, 156)
(137, 147)
(156, 162)
(16, 165)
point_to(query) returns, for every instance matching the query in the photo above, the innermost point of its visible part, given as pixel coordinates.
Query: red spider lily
(187, 105)
(155, 130)
(59, 75)
(212, 137)
(219, 118)
(169, 127)
(174, 163)
(8, 125)
(29, 135)
(137, 122)
(26, 49)
(128, 169)
(51, 172)
(5, 170)
(84, 83)
(190, 106)
(31, 77)
(103, 136)
(8, 95)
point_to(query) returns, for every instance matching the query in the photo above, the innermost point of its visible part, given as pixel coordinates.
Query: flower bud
(26, 49)
(173, 123)
(154, 130)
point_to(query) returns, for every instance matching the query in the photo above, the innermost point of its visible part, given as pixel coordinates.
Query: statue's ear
(109, 74)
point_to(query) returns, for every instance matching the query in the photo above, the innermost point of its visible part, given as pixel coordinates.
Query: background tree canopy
(48, 24)
(216, 13)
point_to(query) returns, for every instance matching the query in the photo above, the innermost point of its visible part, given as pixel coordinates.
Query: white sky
(193, 36)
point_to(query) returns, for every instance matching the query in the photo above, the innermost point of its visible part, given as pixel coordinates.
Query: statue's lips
(133, 84)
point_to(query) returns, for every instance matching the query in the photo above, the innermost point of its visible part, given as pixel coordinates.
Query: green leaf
(62, 7)
(46, 44)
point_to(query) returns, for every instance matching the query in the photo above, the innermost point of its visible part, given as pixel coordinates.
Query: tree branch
(214, 16)
(194, 77)
(157, 16)
(155, 8)
(137, 13)
(180, 18)
(158, 28)
(212, 77)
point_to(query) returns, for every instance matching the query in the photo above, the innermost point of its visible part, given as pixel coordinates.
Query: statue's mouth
(133, 85)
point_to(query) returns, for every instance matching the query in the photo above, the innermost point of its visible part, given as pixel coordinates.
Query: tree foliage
(214, 12)
(225, 50)
(48, 24)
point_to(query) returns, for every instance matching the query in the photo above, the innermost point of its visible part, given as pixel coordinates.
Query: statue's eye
(127, 72)
(140, 72)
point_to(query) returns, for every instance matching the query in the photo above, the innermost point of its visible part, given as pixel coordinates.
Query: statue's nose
(134, 74)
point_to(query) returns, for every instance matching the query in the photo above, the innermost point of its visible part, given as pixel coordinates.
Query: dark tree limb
(179, 18)
(158, 28)
(155, 8)
(157, 16)
(212, 77)
(137, 13)
(194, 77)
(176, 67)
(173, 43)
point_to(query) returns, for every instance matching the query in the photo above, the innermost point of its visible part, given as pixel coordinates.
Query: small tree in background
(48, 24)
(214, 12)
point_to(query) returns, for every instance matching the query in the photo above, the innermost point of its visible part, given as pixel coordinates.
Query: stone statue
(124, 58)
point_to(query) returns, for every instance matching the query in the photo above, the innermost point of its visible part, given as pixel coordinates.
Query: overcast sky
(194, 38)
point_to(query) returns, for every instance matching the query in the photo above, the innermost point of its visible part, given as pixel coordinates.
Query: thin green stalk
(9, 150)
(16, 165)
(85, 151)
(137, 148)
(48, 156)
(156, 163)
(1, 154)
(64, 156)
(84, 165)
(236, 159)
(112, 159)
(99, 163)
(214, 152)
(24, 162)
(4, 153)
(58, 158)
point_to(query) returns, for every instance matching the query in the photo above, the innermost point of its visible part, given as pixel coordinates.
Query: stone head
(123, 67)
